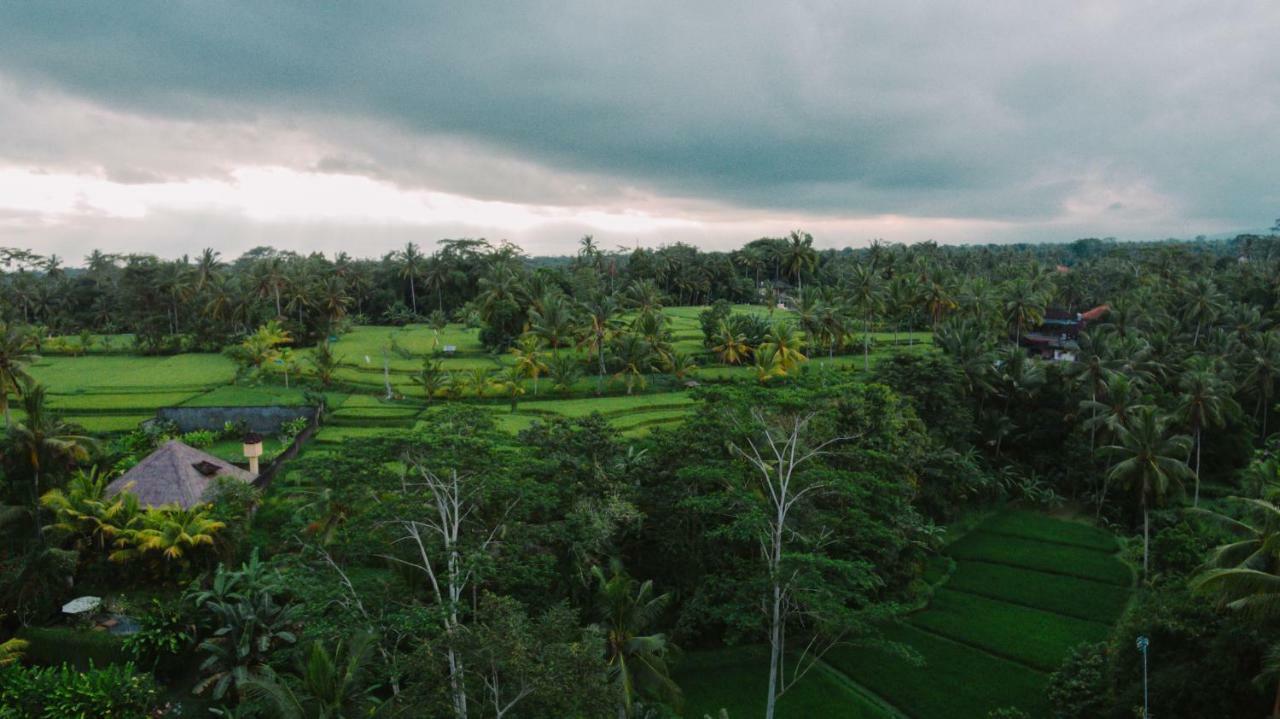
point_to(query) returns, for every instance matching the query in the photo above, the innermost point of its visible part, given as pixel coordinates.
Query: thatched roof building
(175, 474)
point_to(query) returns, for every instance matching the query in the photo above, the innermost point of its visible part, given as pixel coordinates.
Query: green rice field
(993, 631)
(109, 391)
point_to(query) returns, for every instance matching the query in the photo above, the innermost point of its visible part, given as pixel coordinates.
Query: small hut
(175, 474)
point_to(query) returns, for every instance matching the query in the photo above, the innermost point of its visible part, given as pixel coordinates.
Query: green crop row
(1037, 526)
(736, 679)
(1033, 637)
(1070, 596)
(1049, 557)
(954, 681)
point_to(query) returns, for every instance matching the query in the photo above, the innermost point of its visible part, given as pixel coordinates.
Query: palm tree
(42, 442)
(271, 280)
(1245, 574)
(325, 685)
(1204, 305)
(528, 354)
(1263, 369)
(634, 357)
(15, 354)
(172, 532)
(563, 370)
(263, 345)
(325, 362)
(731, 347)
(11, 651)
(681, 364)
(1023, 307)
(552, 321)
(511, 382)
(785, 345)
(431, 378)
(85, 514)
(600, 325)
(865, 293)
(798, 256)
(625, 608)
(1204, 402)
(1151, 463)
(411, 264)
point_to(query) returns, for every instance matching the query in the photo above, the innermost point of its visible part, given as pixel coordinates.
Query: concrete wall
(263, 420)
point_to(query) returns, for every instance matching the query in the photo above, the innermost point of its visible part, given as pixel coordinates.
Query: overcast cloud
(168, 126)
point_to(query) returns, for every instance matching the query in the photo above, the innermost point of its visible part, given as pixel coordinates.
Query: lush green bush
(1078, 689)
(200, 438)
(113, 692)
(54, 646)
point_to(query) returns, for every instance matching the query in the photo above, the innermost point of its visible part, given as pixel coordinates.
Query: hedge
(54, 646)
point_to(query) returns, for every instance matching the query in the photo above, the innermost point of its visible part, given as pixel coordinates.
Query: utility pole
(1143, 643)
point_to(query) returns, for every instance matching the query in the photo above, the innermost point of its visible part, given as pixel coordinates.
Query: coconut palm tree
(681, 364)
(431, 378)
(511, 382)
(563, 370)
(625, 609)
(85, 515)
(15, 355)
(600, 323)
(1263, 368)
(172, 532)
(1244, 574)
(1023, 307)
(730, 347)
(528, 355)
(864, 286)
(1151, 462)
(1205, 402)
(552, 321)
(325, 362)
(785, 344)
(634, 358)
(42, 443)
(798, 256)
(412, 262)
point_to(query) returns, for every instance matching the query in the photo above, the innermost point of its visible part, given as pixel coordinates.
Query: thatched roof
(175, 474)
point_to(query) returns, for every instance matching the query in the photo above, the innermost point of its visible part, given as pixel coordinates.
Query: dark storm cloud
(1004, 111)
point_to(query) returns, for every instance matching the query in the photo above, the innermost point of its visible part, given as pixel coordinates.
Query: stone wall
(263, 420)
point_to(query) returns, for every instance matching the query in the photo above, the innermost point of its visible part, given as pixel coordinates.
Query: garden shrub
(1078, 690)
(113, 692)
(54, 646)
(200, 438)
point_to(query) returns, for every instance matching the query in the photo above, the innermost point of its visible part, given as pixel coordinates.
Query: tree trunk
(1146, 542)
(277, 292)
(413, 295)
(1196, 502)
(775, 650)
(866, 344)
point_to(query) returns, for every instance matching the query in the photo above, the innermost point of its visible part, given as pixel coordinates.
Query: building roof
(175, 474)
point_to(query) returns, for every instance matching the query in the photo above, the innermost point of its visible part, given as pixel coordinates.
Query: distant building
(1056, 337)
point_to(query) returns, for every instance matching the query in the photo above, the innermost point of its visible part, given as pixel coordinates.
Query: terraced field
(1025, 589)
(108, 392)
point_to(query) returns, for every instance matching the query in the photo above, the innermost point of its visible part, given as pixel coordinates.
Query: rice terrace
(639, 361)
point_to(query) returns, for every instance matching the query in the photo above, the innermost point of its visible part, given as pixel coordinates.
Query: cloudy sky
(172, 125)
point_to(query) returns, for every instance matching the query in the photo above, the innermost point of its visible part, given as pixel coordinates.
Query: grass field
(997, 624)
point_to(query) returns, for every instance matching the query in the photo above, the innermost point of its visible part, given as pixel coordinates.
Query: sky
(169, 126)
